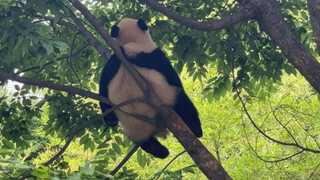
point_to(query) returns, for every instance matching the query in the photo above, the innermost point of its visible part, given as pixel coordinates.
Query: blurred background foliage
(34, 122)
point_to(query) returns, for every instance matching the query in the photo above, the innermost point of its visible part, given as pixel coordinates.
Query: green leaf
(48, 47)
(118, 140)
(116, 148)
(84, 139)
(23, 166)
(103, 145)
(141, 159)
(126, 142)
(87, 170)
(41, 172)
(10, 160)
(60, 45)
(92, 146)
(87, 144)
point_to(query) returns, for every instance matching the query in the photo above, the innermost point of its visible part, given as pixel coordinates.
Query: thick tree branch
(267, 13)
(108, 39)
(240, 15)
(202, 157)
(51, 85)
(314, 13)
(272, 21)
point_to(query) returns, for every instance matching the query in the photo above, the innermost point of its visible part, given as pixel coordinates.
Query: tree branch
(50, 62)
(170, 162)
(268, 14)
(272, 22)
(202, 157)
(270, 161)
(51, 85)
(76, 131)
(125, 159)
(240, 15)
(61, 22)
(314, 13)
(264, 134)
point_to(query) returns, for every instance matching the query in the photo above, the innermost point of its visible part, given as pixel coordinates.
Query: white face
(129, 31)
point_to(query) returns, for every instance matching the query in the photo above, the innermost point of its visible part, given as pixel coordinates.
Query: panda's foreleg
(186, 110)
(154, 147)
(110, 118)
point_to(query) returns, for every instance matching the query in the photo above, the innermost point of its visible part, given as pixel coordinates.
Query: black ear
(142, 25)
(115, 31)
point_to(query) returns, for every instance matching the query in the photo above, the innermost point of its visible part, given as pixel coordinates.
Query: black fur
(159, 62)
(115, 31)
(154, 147)
(142, 25)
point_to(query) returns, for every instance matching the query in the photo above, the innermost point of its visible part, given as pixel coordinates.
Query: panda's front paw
(112, 122)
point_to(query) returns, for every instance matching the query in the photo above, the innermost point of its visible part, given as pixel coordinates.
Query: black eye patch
(115, 31)
(142, 25)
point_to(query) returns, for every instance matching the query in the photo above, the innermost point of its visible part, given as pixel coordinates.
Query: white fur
(123, 87)
(133, 39)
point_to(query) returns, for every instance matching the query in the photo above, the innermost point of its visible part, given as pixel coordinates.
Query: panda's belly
(123, 87)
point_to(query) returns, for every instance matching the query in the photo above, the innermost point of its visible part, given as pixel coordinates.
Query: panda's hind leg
(154, 147)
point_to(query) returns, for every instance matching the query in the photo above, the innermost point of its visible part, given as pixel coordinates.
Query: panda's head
(133, 35)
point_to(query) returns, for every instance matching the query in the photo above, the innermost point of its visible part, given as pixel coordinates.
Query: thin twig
(314, 170)
(264, 160)
(284, 126)
(125, 159)
(75, 132)
(51, 62)
(170, 162)
(263, 133)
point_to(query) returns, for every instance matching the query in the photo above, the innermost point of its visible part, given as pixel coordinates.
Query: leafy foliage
(35, 122)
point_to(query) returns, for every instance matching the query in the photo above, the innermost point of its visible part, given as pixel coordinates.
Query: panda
(117, 84)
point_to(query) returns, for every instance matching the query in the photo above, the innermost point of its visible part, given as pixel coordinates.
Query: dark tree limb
(267, 13)
(202, 157)
(70, 89)
(272, 22)
(314, 13)
(240, 15)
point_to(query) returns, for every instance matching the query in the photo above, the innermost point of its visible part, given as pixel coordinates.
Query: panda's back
(123, 87)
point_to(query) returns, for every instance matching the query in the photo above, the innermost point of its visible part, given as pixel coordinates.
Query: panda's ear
(142, 25)
(115, 31)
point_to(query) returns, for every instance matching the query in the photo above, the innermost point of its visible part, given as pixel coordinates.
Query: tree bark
(314, 13)
(206, 162)
(272, 22)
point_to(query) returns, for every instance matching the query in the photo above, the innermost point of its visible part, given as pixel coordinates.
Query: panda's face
(131, 31)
